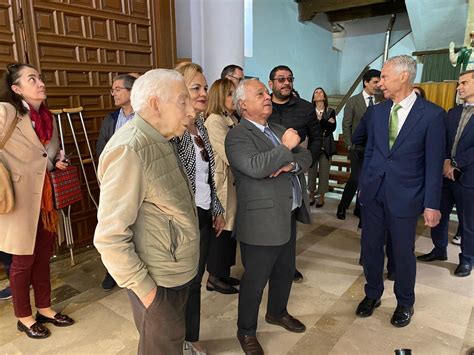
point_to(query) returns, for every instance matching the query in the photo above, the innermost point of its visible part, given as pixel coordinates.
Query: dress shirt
(406, 105)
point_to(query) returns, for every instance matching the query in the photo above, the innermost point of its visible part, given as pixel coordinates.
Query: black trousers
(6, 260)
(221, 254)
(380, 224)
(161, 325)
(262, 264)
(357, 159)
(193, 306)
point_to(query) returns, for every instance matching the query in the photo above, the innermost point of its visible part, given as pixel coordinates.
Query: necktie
(393, 129)
(371, 101)
(297, 196)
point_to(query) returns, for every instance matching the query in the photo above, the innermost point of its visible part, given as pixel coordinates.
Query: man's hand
(332, 120)
(290, 138)
(148, 299)
(284, 169)
(218, 223)
(432, 217)
(448, 169)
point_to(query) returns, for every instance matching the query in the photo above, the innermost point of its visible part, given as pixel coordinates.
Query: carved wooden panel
(79, 46)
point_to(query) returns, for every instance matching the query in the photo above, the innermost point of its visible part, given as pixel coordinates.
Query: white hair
(154, 82)
(403, 63)
(239, 94)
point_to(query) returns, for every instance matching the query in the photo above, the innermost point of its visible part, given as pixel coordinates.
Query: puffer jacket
(147, 231)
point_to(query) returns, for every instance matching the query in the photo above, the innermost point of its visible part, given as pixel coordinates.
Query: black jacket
(329, 146)
(299, 114)
(107, 130)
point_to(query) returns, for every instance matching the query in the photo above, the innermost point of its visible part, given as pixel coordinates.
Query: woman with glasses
(220, 119)
(28, 231)
(326, 117)
(196, 155)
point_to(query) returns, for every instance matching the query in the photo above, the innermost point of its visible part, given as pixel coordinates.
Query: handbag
(7, 197)
(66, 186)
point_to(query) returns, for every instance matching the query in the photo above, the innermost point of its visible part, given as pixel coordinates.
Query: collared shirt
(295, 203)
(406, 105)
(203, 189)
(367, 98)
(122, 119)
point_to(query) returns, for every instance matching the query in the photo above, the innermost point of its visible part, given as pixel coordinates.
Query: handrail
(356, 82)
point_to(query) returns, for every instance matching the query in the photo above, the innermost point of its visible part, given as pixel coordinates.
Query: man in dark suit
(458, 185)
(353, 112)
(401, 179)
(268, 167)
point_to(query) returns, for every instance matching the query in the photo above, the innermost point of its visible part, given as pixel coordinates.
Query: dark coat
(107, 130)
(327, 129)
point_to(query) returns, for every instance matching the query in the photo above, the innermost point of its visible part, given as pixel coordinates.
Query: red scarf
(43, 125)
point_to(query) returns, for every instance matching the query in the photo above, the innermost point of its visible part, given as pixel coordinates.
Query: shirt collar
(408, 101)
(258, 125)
(126, 116)
(366, 96)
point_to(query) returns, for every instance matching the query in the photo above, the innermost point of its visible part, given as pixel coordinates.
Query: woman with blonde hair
(220, 119)
(196, 154)
(28, 231)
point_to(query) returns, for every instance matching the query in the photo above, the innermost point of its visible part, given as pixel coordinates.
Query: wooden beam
(367, 11)
(309, 8)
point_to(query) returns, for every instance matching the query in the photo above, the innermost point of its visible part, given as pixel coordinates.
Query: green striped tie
(393, 130)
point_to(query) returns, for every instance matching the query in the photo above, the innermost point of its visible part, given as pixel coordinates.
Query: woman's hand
(61, 165)
(218, 223)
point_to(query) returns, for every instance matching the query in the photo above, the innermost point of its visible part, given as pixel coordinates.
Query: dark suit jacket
(264, 204)
(107, 130)
(465, 150)
(412, 169)
(353, 112)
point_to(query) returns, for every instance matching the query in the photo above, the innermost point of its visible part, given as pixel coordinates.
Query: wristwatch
(453, 163)
(293, 164)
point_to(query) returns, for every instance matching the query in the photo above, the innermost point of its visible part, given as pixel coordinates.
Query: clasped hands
(290, 139)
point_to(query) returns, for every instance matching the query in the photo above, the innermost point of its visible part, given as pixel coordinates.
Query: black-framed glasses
(202, 147)
(234, 77)
(282, 79)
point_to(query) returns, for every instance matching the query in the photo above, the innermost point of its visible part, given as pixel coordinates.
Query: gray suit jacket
(353, 112)
(264, 204)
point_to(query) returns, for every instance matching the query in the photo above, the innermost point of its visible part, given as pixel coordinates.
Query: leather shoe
(320, 201)
(108, 283)
(36, 331)
(402, 316)
(431, 256)
(250, 344)
(311, 198)
(298, 276)
(341, 212)
(367, 306)
(59, 320)
(391, 276)
(288, 322)
(463, 270)
(230, 280)
(210, 286)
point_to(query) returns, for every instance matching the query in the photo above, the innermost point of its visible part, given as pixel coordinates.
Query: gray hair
(128, 80)
(404, 63)
(154, 82)
(239, 94)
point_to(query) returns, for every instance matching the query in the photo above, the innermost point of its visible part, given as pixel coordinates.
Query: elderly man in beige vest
(147, 231)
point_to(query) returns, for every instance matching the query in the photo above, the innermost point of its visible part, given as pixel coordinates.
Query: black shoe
(298, 276)
(230, 280)
(431, 256)
(402, 316)
(391, 276)
(108, 283)
(463, 270)
(36, 331)
(59, 320)
(367, 306)
(210, 286)
(341, 212)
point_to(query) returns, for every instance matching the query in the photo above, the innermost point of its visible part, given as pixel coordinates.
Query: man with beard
(293, 112)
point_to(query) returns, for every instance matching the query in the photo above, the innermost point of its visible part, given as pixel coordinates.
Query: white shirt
(203, 189)
(406, 105)
(367, 98)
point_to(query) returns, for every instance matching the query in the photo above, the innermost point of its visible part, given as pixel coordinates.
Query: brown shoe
(288, 322)
(311, 198)
(321, 201)
(250, 345)
(36, 331)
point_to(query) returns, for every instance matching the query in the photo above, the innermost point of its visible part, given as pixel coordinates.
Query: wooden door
(79, 46)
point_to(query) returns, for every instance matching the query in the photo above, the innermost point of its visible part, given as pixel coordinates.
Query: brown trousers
(161, 326)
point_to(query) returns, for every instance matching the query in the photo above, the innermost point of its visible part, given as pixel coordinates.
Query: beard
(280, 96)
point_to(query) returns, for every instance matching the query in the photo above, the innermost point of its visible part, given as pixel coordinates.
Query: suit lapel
(468, 126)
(383, 123)
(257, 133)
(413, 118)
(26, 128)
(361, 103)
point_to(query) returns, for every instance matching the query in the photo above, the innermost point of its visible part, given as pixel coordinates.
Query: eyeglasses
(202, 147)
(234, 77)
(117, 89)
(282, 79)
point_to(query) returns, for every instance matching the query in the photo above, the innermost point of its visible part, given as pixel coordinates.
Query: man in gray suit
(353, 112)
(268, 167)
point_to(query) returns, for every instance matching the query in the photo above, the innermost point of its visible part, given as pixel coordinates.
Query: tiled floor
(328, 253)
